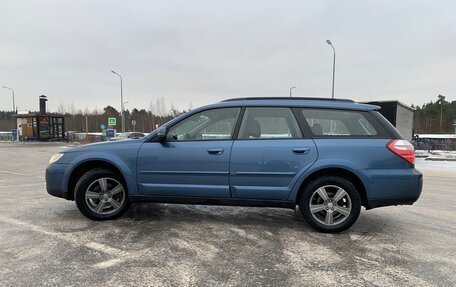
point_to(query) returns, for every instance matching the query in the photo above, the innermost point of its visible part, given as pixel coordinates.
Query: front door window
(216, 124)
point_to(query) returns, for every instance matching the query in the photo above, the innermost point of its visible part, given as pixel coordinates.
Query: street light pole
(121, 103)
(334, 65)
(441, 99)
(291, 89)
(14, 104)
(125, 115)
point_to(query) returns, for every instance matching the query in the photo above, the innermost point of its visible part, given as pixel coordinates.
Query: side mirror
(161, 133)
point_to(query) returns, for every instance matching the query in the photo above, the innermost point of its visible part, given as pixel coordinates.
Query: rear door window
(269, 123)
(341, 123)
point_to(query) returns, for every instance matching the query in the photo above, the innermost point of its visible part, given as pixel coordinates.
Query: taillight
(404, 149)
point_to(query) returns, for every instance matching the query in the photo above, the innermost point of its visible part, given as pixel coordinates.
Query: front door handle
(216, 151)
(301, 150)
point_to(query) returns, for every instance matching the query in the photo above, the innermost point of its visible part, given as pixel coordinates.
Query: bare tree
(61, 109)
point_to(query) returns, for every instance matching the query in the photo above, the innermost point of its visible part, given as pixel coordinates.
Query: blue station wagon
(328, 157)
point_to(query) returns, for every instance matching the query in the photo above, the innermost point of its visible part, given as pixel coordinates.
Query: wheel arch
(336, 171)
(85, 166)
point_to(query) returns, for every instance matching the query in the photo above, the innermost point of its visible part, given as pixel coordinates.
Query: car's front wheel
(330, 204)
(101, 194)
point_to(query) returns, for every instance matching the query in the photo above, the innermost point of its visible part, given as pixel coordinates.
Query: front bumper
(55, 180)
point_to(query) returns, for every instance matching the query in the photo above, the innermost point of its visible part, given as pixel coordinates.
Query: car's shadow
(266, 218)
(158, 216)
(184, 213)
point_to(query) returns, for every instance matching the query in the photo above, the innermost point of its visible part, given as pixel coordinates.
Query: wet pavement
(46, 241)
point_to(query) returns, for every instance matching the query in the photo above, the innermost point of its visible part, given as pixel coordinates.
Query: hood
(104, 145)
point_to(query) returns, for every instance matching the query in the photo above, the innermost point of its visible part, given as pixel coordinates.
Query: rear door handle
(301, 150)
(216, 151)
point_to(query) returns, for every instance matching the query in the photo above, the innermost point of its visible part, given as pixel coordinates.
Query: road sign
(103, 127)
(112, 121)
(110, 133)
(133, 122)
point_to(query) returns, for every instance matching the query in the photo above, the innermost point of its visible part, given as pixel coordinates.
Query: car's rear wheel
(101, 194)
(330, 204)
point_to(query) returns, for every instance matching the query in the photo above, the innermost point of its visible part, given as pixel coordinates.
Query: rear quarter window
(342, 123)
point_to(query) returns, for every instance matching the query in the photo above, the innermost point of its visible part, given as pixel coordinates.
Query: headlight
(55, 157)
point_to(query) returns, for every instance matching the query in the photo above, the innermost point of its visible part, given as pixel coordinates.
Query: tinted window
(325, 122)
(269, 123)
(136, 135)
(216, 124)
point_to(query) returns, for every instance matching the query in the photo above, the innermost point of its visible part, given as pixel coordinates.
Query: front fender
(325, 164)
(127, 169)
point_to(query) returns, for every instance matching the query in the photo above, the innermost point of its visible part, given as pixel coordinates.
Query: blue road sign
(14, 133)
(110, 133)
(102, 127)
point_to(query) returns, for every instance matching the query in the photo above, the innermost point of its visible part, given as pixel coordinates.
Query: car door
(269, 154)
(193, 161)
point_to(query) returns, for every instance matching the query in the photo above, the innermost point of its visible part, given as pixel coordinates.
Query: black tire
(330, 183)
(90, 178)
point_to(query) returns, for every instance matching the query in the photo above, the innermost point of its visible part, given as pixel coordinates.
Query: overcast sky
(201, 52)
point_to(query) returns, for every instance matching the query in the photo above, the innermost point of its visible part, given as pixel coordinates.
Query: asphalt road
(46, 241)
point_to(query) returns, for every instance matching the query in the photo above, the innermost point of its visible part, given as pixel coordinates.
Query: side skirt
(213, 201)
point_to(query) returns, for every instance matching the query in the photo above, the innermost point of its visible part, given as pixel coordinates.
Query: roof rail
(287, 98)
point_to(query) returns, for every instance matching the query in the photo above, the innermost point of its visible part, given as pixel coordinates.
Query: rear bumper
(373, 203)
(393, 187)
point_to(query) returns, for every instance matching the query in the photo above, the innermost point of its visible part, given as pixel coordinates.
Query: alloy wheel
(330, 205)
(105, 195)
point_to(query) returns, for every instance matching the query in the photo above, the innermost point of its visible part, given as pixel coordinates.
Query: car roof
(289, 99)
(329, 103)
